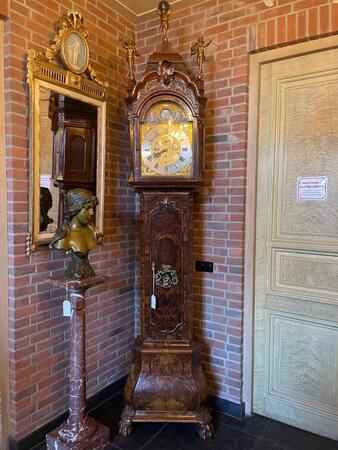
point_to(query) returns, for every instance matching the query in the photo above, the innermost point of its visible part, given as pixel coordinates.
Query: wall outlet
(204, 266)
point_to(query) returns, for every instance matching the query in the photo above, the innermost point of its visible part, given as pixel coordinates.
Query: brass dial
(166, 141)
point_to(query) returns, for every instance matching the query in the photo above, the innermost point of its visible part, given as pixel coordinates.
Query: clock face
(166, 141)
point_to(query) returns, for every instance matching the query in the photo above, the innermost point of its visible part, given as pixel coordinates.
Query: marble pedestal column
(79, 432)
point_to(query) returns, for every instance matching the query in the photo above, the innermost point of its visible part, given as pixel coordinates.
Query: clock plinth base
(201, 417)
(167, 385)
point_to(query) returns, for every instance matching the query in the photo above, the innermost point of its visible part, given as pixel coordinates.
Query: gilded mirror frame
(44, 73)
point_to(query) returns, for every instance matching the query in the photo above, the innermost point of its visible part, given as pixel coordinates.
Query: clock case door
(166, 236)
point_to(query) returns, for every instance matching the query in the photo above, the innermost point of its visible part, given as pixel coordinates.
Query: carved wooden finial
(164, 11)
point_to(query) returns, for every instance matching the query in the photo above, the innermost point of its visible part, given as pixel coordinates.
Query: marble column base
(96, 441)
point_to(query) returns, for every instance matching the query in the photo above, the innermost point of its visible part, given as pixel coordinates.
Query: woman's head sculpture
(76, 235)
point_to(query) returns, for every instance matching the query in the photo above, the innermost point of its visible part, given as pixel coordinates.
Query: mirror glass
(68, 151)
(49, 193)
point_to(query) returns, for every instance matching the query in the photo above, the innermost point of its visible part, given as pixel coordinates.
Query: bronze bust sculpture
(76, 235)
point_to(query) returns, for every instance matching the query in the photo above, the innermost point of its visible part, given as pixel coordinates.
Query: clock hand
(158, 154)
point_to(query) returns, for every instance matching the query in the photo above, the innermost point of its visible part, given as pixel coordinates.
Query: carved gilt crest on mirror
(67, 128)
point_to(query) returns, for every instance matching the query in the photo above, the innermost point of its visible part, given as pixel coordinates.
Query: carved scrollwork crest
(166, 278)
(71, 45)
(166, 73)
(179, 85)
(70, 54)
(166, 203)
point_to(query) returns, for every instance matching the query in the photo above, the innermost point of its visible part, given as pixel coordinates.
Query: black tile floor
(254, 433)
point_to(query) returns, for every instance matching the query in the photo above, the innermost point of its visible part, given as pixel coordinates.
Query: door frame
(256, 60)
(4, 357)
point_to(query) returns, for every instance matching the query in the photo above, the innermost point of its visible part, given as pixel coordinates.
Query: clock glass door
(166, 141)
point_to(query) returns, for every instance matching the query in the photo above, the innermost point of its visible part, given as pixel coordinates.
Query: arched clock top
(177, 85)
(181, 103)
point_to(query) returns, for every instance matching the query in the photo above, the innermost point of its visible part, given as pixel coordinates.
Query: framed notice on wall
(312, 188)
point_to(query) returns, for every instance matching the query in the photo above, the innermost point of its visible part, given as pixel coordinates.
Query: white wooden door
(296, 262)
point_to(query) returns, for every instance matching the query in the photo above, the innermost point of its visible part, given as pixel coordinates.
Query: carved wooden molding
(166, 73)
(179, 84)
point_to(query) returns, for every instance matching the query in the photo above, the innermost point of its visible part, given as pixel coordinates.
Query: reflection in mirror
(49, 194)
(68, 153)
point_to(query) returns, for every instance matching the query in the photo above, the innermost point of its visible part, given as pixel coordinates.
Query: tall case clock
(166, 382)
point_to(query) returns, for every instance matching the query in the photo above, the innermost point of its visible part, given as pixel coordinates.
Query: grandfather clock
(74, 126)
(166, 382)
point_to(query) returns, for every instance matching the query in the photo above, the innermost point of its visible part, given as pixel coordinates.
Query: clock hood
(169, 152)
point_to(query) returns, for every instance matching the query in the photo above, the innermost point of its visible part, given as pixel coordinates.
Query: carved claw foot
(206, 431)
(126, 425)
(125, 428)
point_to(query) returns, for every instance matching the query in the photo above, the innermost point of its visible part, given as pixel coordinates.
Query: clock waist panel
(166, 275)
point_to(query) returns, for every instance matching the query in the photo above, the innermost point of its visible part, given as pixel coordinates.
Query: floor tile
(296, 439)
(253, 425)
(265, 444)
(110, 447)
(109, 413)
(41, 446)
(314, 442)
(185, 437)
(285, 435)
(253, 433)
(141, 434)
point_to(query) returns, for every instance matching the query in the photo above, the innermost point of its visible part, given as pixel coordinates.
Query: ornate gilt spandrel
(63, 69)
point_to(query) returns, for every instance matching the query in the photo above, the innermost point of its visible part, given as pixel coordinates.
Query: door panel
(296, 267)
(304, 274)
(305, 139)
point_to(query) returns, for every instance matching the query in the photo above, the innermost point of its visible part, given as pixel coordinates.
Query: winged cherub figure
(130, 46)
(198, 49)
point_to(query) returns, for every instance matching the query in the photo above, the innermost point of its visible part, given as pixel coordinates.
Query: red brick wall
(3, 8)
(39, 335)
(236, 27)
